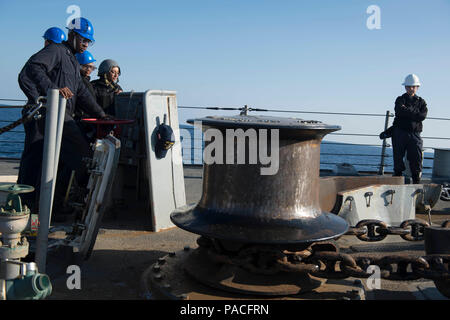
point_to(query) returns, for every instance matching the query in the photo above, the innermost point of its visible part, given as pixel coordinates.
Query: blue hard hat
(83, 27)
(54, 34)
(85, 57)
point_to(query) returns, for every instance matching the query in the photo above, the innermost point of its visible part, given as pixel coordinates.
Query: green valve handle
(15, 188)
(13, 205)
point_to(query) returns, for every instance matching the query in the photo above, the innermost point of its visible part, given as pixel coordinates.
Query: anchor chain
(260, 259)
(401, 267)
(324, 260)
(371, 230)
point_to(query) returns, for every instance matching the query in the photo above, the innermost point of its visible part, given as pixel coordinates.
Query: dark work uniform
(409, 114)
(87, 129)
(88, 84)
(105, 94)
(78, 112)
(53, 67)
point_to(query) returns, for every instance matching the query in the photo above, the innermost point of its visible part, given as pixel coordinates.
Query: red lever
(104, 127)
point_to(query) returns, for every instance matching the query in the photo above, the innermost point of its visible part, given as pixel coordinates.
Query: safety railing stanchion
(61, 114)
(383, 148)
(48, 177)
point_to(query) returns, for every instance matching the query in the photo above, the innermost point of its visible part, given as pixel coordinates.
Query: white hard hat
(411, 80)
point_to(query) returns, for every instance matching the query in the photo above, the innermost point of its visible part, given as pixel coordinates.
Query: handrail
(21, 100)
(10, 107)
(260, 109)
(351, 154)
(10, 141)
(285, 111)
(306, 112)
(384, 153)
(382, 143)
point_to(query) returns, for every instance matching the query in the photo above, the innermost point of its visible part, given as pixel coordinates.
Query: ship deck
(125, 248)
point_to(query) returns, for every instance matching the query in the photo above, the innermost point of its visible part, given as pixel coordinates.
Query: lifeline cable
(15, 123)
(32, 110)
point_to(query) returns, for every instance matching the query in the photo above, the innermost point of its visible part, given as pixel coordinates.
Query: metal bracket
(445, 193)
(23, 266)
(33, 112)
(391, 192)
(96, 172)
(422, 192)
(245, 110)
(351, 199)
(368, 195)
(427, 206)
(66, 229)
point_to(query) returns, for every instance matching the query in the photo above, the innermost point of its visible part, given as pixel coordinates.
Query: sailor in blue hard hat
(85, 58)
(56, 67)
(54, 35)
(81, 34)
(83, 27)
(86, 61)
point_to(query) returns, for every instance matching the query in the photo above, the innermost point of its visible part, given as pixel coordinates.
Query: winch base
(174, 277)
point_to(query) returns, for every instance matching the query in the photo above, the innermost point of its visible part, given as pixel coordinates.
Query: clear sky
(292, 55)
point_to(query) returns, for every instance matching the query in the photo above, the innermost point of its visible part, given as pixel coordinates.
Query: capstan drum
(261, 182)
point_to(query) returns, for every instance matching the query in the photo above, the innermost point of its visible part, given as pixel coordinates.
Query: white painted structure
(392, 204)
(165, 176)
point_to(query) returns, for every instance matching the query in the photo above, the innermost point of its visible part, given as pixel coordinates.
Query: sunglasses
(84, 40)
(89, 67)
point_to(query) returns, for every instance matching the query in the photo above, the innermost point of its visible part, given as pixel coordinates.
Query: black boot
(416, 179)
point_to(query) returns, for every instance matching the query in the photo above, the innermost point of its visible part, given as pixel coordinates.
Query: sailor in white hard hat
(410, 111)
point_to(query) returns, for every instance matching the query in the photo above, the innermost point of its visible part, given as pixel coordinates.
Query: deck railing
(380, 150)
(366, 157)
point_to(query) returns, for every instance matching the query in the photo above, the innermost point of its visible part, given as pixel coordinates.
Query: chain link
(337, 265)
(392, 267)
(324, 260)
(375, 230)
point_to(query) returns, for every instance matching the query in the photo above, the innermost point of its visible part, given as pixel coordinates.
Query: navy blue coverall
(105, 93)
(407, 126)
(54, 67)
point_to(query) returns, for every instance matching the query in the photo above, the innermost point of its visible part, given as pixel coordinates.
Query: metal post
(61, 113)
(47, 178)
(192, 153)
(383, 148)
